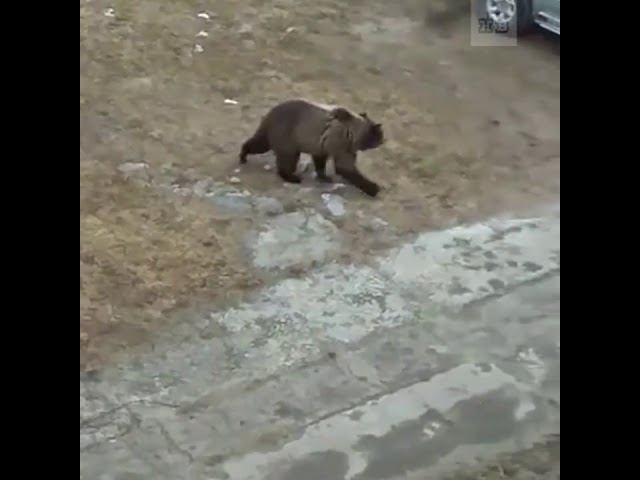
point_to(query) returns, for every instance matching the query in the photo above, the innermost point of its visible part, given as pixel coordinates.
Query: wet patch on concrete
(532, 267)
(315, 466)
(451, 266)
(414, 427)
(286, 410)
(423, 442)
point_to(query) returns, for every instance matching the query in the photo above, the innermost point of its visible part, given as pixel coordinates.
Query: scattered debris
(202, 34)
(234, 180)
(334, 204)
(228, 101)
(110, 12)
(198, 48)
(245, 28)
(204, 16)
(237, 170)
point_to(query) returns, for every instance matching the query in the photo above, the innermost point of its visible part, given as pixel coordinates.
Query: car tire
(520, 22)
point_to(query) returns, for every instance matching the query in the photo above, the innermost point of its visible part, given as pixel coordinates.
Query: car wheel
(510, 17)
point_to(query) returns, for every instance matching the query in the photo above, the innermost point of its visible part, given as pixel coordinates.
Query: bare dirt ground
(471, 131)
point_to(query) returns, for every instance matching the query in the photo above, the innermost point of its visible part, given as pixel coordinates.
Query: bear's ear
(364, 115)
(341, 114)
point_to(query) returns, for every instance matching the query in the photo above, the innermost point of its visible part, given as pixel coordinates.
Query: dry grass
(142, 255)
(145, 96)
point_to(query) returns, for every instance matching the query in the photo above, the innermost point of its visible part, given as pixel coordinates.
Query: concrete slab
(415, 363)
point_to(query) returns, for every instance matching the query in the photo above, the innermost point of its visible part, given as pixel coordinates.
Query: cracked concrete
(444, 350)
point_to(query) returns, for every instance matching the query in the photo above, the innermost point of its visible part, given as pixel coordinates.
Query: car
(518, 16)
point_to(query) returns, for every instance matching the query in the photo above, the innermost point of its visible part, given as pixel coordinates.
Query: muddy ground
(471, 131)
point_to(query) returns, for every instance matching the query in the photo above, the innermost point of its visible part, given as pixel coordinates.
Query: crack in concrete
(371, 398)
(86, 423)
(505, 291)
(127, 428)
(172, 443)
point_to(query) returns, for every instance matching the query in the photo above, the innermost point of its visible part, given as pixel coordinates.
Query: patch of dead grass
(142, 255)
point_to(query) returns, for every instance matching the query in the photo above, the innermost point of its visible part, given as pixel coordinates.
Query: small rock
(198, 48)
(334, 204)
(237, 170)
(132, 167)
(378, 224)
(204, 16)
(202, 34)
(336, 186)
(288, 32)
(245, 28)
(371, 224)
(229, 101)
(234, 180)
(110, 12)
(267, 167)
(155, 134)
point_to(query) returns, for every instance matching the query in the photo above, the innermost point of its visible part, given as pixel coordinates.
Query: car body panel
(546, 13)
